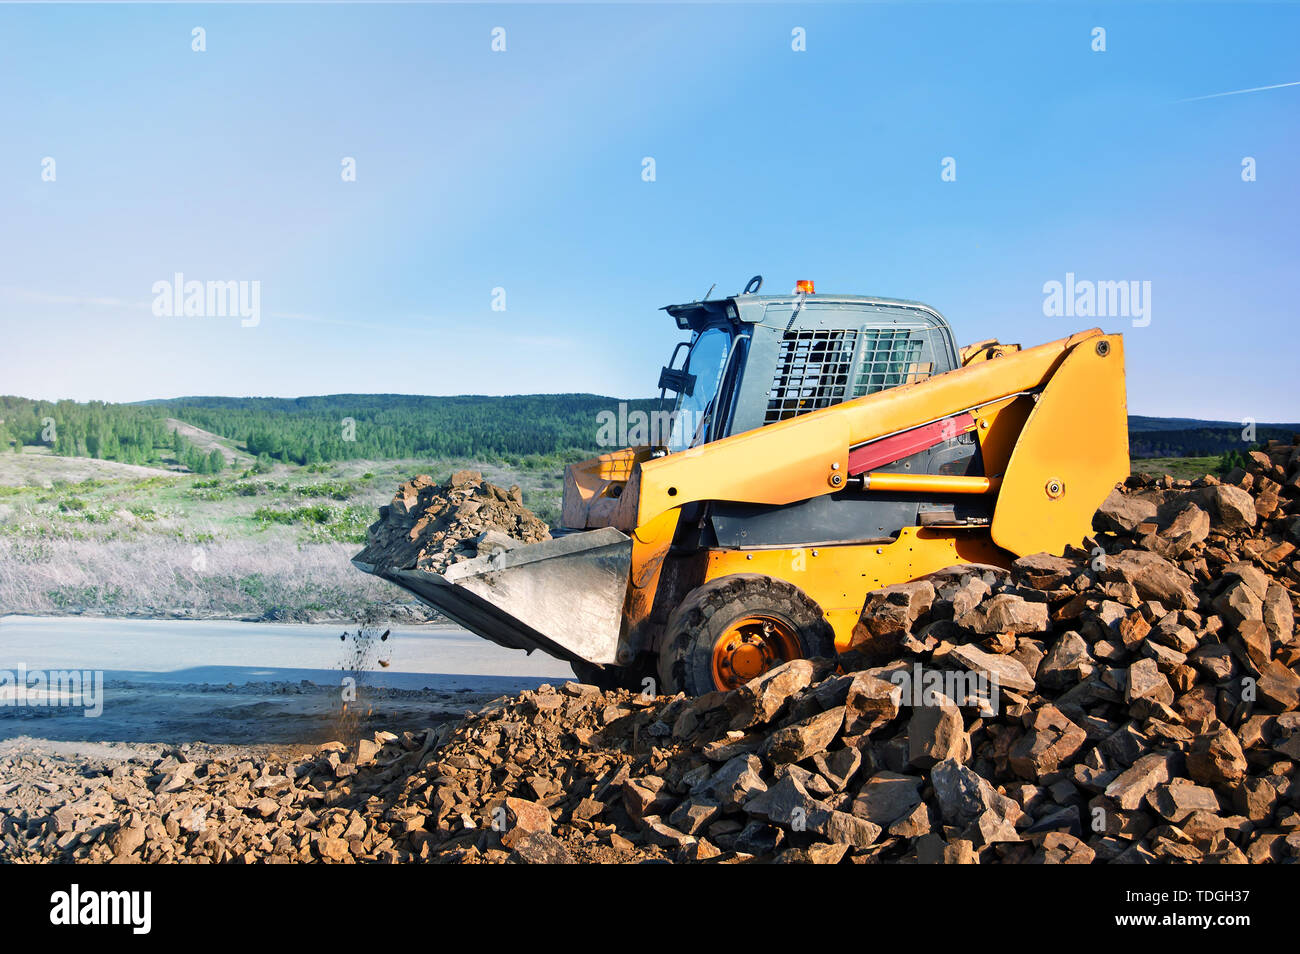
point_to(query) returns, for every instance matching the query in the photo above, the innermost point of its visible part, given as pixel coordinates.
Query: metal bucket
(563, 596)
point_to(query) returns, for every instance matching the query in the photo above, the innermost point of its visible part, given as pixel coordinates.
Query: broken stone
(1132, 786)
(1189, 527)
(1146, 681)
(933, 850)
(760, 699)
(1005, 672)
(1067, 663)
(803, 739)
(1006, 613)
(737, 780)
(1060, 848)
(1229, 507)
(429, 527)
(888, 615)
(540, 848)
(1121, 512)
(842, 828)
(888, 796)
(1279, 614)
(1050, 741)
(1279, 687)
(1175, 802)
(870, 703)
(1239, 602)
(1154, 577)
(936, 733)
(964, 796)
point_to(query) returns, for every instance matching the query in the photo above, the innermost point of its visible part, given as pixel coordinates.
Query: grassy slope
(206, 441)
(37, 467)
(241, 546)
(1182, 468)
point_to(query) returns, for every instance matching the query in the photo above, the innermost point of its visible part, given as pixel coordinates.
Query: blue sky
(522, 170)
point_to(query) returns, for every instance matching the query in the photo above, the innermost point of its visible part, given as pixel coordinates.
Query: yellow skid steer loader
(818, 447)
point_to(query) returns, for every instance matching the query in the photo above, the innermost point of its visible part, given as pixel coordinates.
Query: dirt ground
(253, 714)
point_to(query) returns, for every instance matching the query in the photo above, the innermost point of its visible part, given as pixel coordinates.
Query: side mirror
(676, 379)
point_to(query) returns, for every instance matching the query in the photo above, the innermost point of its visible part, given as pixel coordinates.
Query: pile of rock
(1133, 702)
(429, 527)
(1148, 684)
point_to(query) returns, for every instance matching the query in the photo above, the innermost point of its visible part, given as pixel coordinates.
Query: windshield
(707, 361)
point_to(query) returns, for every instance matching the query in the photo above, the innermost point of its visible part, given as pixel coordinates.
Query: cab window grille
(889, 358)
(813, 370)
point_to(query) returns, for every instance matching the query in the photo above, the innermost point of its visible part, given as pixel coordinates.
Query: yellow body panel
(1071, 453)
(777, 464)
(839, 577)
(986, 350)
(650, 544)
(601, 491)
(997, 427)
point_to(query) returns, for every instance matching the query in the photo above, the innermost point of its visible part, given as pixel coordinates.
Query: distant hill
(386, 426)
(314, 429)
(1139, 424)
(1189, 437)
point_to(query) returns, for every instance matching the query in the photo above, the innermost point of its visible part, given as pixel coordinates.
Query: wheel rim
(750, 647)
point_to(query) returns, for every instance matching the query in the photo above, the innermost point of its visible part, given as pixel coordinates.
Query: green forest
(386, 426)
(1202, 441)
(338, 427)
(127, 433)
(316, 429)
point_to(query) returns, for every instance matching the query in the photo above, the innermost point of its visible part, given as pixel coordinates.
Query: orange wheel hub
(750, 647)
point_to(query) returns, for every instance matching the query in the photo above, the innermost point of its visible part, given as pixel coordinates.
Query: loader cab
(756, 359)
(751, 360)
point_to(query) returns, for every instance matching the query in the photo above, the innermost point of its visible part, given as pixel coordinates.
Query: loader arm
(1081, 431)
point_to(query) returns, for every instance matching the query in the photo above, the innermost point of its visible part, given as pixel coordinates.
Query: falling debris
(365, 649)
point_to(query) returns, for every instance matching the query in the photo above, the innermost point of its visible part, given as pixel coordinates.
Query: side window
(818, 368)
(813, 370)
(890, 357)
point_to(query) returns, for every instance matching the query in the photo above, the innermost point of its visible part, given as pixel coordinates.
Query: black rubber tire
(686, 660)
